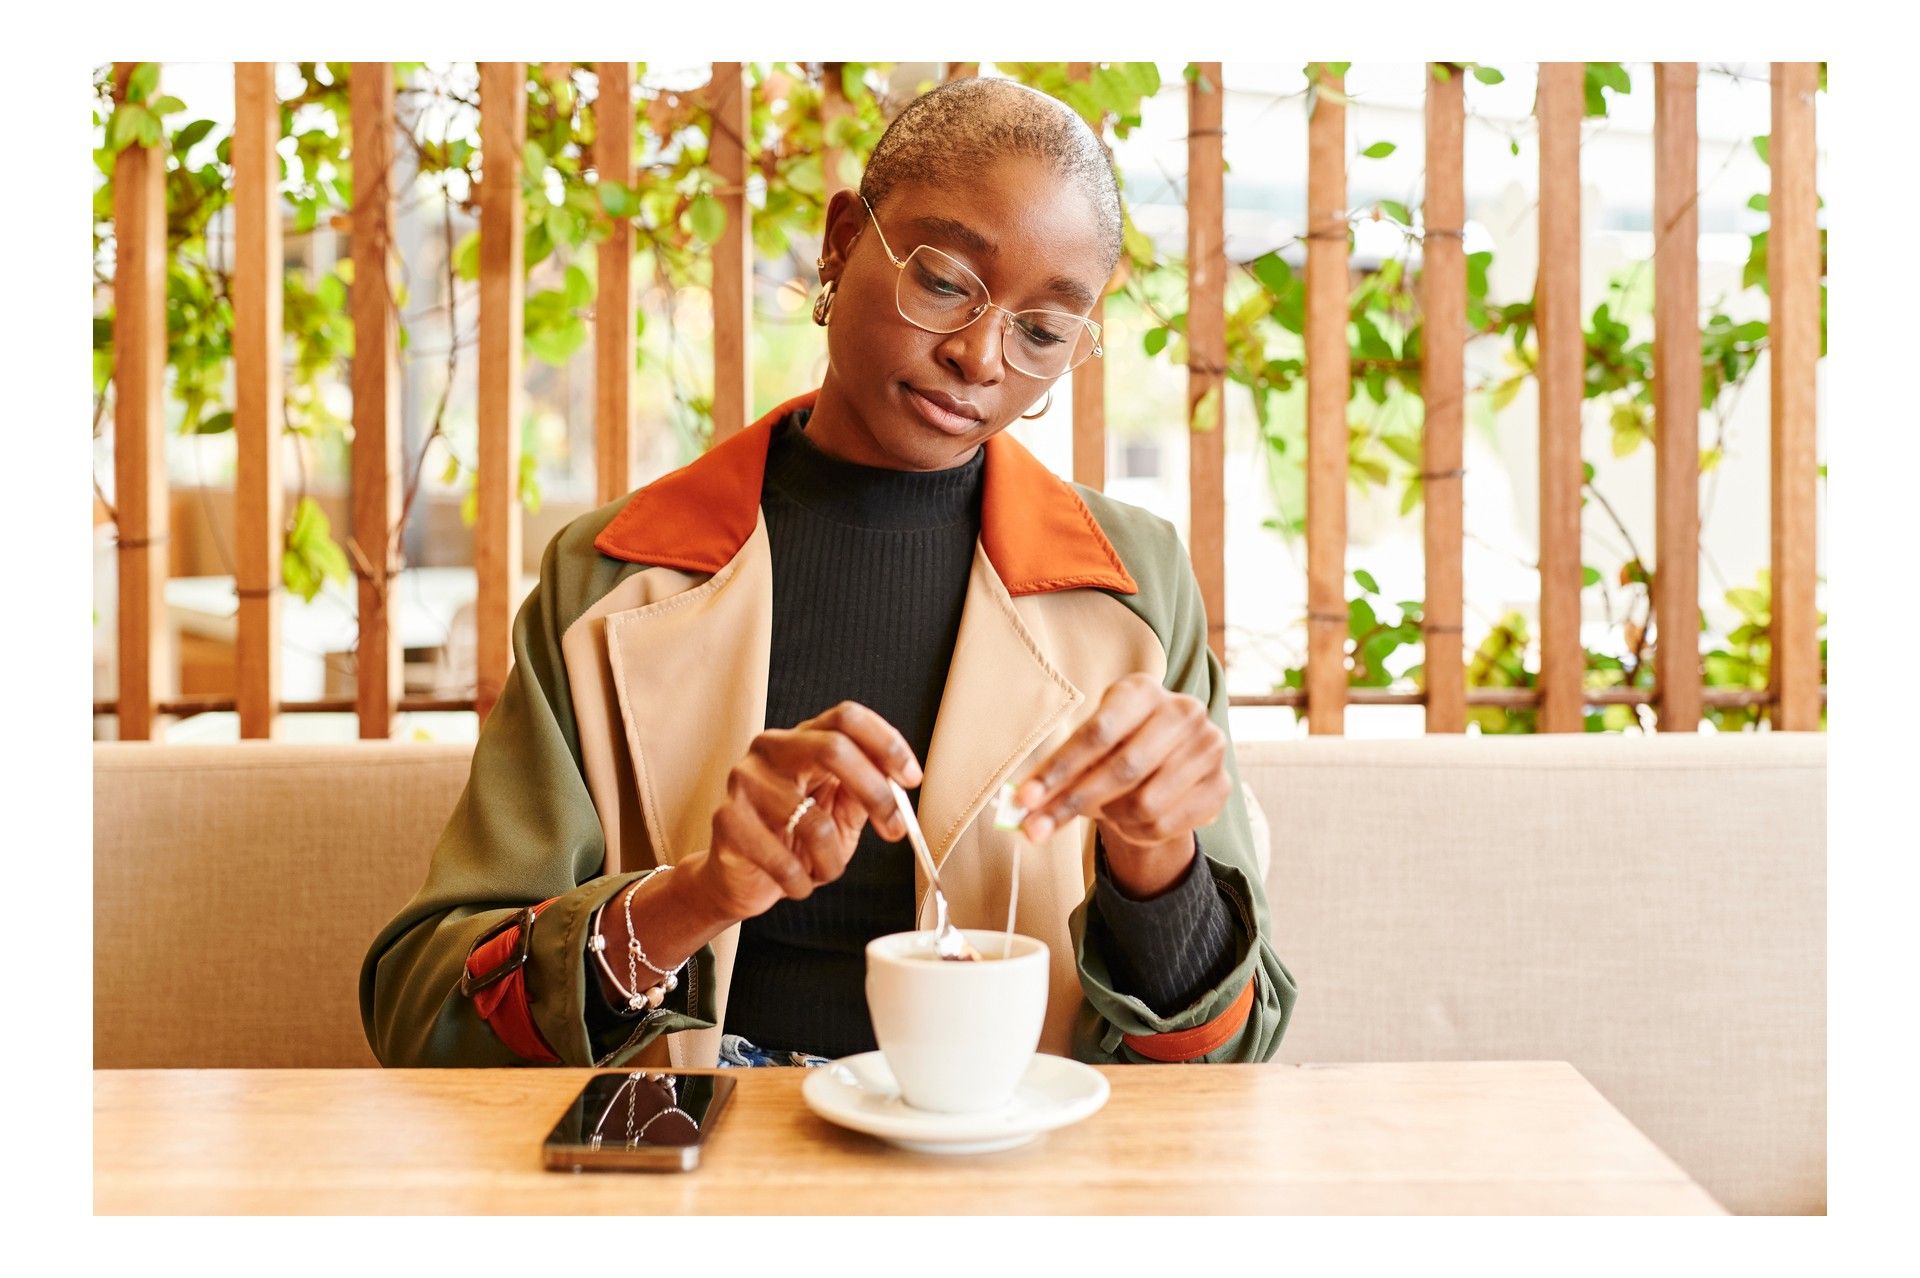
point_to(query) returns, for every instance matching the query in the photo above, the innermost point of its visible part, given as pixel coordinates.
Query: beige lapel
(1002, 699)
(690, 672)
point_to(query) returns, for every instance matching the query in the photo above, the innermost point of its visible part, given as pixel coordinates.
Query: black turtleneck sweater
(870, 570)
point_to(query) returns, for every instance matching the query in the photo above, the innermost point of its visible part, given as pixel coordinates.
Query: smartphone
(638, 1121)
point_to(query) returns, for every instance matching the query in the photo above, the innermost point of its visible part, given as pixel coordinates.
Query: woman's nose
(974, 352)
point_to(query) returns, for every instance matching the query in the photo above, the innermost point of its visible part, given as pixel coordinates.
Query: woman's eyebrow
(968, 238)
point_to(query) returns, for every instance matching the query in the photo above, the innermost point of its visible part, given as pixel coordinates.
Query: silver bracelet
(637, 998)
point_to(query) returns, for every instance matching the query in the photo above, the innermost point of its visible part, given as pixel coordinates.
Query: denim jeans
(737, 1052)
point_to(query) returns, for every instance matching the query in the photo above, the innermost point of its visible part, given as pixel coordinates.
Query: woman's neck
(838, 430)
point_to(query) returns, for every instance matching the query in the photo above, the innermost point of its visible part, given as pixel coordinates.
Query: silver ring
(805, 806)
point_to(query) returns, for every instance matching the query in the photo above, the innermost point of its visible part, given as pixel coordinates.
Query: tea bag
(1008, 817)
(1006, 814)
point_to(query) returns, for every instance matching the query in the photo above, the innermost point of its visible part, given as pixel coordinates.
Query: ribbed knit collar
(870, 496)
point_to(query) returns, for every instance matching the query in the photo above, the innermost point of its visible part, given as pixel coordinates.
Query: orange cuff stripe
(1184, 1045)
(503, 1005)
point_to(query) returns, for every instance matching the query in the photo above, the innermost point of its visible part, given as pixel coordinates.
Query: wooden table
(1430, 1137)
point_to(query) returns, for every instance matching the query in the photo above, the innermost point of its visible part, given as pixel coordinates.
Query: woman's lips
(939, 418)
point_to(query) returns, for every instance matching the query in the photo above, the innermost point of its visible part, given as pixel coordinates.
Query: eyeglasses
(936, 293)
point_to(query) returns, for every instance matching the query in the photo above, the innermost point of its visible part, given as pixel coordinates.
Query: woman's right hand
(842, 758)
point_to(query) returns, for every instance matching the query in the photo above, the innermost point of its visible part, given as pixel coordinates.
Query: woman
(678, 835)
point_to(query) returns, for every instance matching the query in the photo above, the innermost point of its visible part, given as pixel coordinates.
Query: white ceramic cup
(958, 1036)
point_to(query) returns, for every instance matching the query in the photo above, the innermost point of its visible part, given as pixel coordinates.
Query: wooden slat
(139, 425)
(613, 310)
(1207, 349)
(1443, 297)
(257, 418)
(833, 106)
(1676, 393)
(1793, 282)
(496, 534)
(732, 255)
(376, 396)
(1329, 383)
(1562, 355)
(1090, 385)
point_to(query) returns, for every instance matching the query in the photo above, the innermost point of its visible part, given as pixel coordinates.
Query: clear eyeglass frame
(1094, 349)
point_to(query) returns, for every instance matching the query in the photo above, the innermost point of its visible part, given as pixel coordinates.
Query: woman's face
(1033, 240)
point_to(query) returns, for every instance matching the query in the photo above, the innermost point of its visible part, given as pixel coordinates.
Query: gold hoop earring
(823, 305)
(1027, 417)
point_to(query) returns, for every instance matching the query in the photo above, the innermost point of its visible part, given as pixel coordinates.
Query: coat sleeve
(1242, 1016)
(524, 833)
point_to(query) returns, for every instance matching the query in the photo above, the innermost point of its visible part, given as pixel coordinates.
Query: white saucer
(860, 1092)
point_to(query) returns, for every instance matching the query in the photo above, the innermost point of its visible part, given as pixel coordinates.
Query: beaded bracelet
(638, 999)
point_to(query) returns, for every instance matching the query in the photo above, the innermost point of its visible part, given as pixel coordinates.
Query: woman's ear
(846, 218)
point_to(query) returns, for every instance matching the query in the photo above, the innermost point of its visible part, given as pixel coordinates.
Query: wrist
(1146, 870)
(693, 894)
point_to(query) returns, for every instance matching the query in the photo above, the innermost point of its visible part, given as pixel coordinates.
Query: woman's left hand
(1150, 766)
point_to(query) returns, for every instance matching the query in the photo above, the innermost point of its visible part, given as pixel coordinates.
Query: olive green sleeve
(524, 831)
(1169, 601)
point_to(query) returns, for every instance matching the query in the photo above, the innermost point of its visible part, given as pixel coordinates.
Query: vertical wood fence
(140, 345)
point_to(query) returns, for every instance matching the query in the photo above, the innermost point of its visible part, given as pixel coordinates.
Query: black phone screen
(638, 1120)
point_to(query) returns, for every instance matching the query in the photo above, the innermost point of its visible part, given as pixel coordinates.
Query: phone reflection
(642, 1109)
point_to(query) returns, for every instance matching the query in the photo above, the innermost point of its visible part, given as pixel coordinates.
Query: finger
(747, 835)
(1186, 792)
(1123, 768)
(872, 733)
(806, 754)
(1128, 704)
(816, 837)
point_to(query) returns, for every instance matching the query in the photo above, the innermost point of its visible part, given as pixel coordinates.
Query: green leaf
(1398, 212)
(1487, 75)
(144, 79)
(1589, 575)
(466, 256)
(579, 286)
(1378, 151)
(1156, 340)
(1206, 409)
(707, 218)
(1367, 583)
(218, 424)
(191, 134)
(617, 199)
(165, 106)
(1760, 148)
(534, 157)
(124, 128)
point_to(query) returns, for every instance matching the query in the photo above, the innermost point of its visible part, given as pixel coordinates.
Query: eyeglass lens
(939, 294)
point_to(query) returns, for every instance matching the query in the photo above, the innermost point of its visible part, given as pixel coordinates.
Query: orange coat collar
(1036, 531)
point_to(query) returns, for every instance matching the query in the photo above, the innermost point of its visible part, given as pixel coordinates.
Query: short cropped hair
(962, 126)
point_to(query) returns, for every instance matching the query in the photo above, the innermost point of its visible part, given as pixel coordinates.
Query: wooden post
(732, 254)
(613, 309)
(258, 519)
(496, 534)
(1676, 393)
(1207, 349)
(376, 397)
(1443, 297)
(833, 106)
(1793, 283)
(1090, 383)
(139, 424)
(1562, 365)
(1329, 385)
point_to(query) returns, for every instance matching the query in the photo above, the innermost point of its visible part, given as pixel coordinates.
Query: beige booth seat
(1650, 909)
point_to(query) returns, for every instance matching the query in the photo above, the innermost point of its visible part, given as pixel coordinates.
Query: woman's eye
(1042, 334)
(941, 285)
